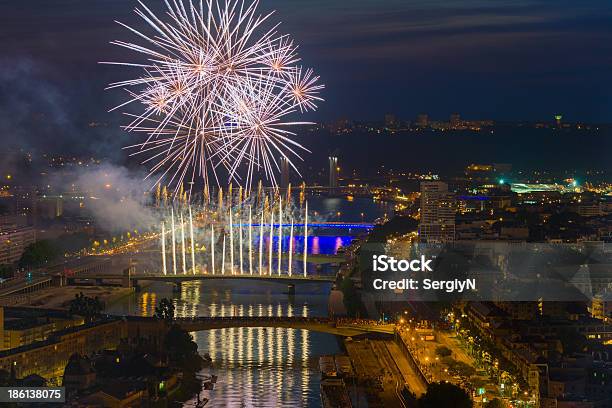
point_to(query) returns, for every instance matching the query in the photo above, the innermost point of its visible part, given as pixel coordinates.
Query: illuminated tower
(284, 165)
(558, 119)
(438, 206)
(455, 121)
(333, 173)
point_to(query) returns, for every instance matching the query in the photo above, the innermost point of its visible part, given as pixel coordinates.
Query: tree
(6, 271)
(72, 242)
(86, 306)
(396, 226)
(459, 367)
(165, 310)
(494, 403)
(181, 348)
(38, 254)
(463, 369)
(443, 351)
(445, 395)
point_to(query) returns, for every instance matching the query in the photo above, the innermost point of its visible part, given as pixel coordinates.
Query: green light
(574, 183)
(558, 117)
(501, 181)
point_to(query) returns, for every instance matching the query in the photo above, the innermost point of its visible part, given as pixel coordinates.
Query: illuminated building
(20, 327)
(601, 306)
(590, 210)
(475, 203)
(480, 172)
(340, 126)
(455, 120)
(49, 207)
(49, 358)
(523, 188)
(13, 241)
(333, 173)
(495, 174)
(438, 207)
(422, 121)
(284, 164)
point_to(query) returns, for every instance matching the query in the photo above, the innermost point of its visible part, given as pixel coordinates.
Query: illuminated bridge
(340, 327)
(347, 225)
(131, 280)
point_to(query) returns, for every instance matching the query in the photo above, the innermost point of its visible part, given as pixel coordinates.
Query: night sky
(498, 59)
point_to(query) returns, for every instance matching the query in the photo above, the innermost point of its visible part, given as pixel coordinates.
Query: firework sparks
(216, 91)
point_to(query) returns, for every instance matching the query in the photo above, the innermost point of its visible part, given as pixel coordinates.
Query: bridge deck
(22, 285)
(349, 225)
(345, 327)
(191, 277)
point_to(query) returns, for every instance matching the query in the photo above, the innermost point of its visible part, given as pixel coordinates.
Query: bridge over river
(132, 279)
(339, 327)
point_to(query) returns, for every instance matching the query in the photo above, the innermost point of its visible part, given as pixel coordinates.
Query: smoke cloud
(117, 198)
(43, 112)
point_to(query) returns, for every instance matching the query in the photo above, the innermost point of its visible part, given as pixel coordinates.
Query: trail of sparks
(215, 92)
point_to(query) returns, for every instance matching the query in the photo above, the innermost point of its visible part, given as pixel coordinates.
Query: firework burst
(215, 92)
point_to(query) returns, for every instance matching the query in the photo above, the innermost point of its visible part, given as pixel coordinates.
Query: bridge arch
(339, 327)
(345, 328)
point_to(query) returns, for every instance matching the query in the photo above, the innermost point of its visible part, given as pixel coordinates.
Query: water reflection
(256, 367)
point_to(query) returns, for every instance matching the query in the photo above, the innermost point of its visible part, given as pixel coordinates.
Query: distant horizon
(462, 117)
(564, 151)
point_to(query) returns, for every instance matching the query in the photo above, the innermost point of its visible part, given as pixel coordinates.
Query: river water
(259, 367)
(256, 367)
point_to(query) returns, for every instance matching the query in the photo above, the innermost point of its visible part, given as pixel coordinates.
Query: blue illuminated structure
(349, 225)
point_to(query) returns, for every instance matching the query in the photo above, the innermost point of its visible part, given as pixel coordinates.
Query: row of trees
(86, 306)
(448, 395)
(38, 254)
(44, 251)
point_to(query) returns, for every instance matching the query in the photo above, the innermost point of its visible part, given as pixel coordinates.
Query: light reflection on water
(256, 367)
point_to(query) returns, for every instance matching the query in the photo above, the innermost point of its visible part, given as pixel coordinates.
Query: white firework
(215, 93)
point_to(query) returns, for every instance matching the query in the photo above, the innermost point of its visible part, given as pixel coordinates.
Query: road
(393, 380)
(374, 366)
(453, 343)
(432, 365)
(409, 376)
